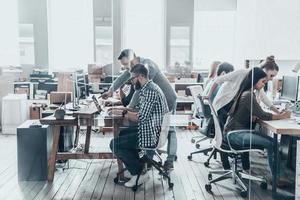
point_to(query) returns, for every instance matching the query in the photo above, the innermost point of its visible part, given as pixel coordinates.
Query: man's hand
(107, 94)
(117, 112)
(116, 108)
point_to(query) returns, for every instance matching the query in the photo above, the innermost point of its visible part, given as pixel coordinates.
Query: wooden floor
(93, 179)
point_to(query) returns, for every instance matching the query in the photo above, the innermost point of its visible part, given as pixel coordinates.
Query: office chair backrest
(164, 130)
(218, 131)
(195, 91)
(205, 108)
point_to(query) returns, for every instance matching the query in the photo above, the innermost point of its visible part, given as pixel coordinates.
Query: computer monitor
(289, 89)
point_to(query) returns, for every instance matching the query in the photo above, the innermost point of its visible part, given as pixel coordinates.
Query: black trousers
(125, 147)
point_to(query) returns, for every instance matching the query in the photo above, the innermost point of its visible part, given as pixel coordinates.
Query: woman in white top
(230, 85)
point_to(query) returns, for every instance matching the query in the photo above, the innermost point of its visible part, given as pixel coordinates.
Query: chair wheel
(190, 157)
(209, 177)
(116, 180)
(206, 164)
(244, 193)
(263, 185)
(198, 146)
(193, 141)
(208, 187)
(134, 188)
(171, 185)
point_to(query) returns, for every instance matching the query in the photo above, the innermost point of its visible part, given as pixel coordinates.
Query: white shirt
(231, 83)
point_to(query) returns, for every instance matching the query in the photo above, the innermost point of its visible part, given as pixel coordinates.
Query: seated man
(152, 108)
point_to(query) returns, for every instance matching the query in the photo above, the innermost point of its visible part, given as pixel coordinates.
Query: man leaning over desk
(152, 108)
(128, 59)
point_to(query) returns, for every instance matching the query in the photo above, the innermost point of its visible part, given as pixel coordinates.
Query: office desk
(84, 117)
(282, 127)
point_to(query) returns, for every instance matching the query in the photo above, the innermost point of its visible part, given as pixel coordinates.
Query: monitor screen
(289, 89)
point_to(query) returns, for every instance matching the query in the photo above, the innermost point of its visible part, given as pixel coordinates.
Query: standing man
(152, 109)
(128, 59)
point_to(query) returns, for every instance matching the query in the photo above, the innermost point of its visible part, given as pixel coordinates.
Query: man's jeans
(125, 147)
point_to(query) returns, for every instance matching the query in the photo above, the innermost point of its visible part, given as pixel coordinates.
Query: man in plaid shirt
(152, 108)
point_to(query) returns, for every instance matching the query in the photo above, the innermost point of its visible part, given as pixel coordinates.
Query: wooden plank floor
(93, 179)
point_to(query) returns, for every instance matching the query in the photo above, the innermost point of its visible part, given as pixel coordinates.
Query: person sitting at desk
(152, 108)
(246, 110)
(128, 59)
(229, 86)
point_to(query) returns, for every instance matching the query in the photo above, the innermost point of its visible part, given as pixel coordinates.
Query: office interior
(58, 59)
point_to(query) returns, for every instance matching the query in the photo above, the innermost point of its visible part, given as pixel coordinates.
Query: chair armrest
(236, 131)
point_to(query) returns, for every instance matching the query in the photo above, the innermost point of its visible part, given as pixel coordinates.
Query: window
(180, 46)
(26, 42)
(104, 44)
(144, 24)
(71, 38)
(9, 47)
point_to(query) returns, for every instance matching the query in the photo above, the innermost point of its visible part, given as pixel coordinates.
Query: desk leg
(87, 139)
(52, 158)
(76, 136)
(275, 164)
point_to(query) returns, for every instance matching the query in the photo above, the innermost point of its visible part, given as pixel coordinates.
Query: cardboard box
(95, 69)
(60, 97)
(94, 78)
(65, 82)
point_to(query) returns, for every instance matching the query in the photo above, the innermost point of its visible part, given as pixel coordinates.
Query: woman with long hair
(246, 110)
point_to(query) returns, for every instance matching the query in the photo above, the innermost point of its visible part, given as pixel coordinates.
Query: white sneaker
(143, 179)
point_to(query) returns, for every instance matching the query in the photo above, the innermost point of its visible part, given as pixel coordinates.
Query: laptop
(95, 100)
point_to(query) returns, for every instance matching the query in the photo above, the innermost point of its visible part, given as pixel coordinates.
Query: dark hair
(251, 79)
(140, 69)
(269, 64)
(224, 67)
(127, 53)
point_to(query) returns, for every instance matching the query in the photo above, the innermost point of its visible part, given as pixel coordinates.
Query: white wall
(144, 28)
(70, 34)
(9, 35)
(266, 27)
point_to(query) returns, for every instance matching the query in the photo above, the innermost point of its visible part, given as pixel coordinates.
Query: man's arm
(121, 80)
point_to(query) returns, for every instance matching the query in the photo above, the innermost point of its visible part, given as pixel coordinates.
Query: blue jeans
(255, 140)
(172, 138)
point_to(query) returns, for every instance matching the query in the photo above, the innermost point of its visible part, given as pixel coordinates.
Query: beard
(137, 85)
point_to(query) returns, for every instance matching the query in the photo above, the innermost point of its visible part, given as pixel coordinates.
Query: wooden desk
(84, 117)
(282, 127)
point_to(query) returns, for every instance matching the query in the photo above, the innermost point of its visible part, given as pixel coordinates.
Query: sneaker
(143, 178)
(168, 165)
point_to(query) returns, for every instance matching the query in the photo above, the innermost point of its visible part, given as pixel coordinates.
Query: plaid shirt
(152, 108)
